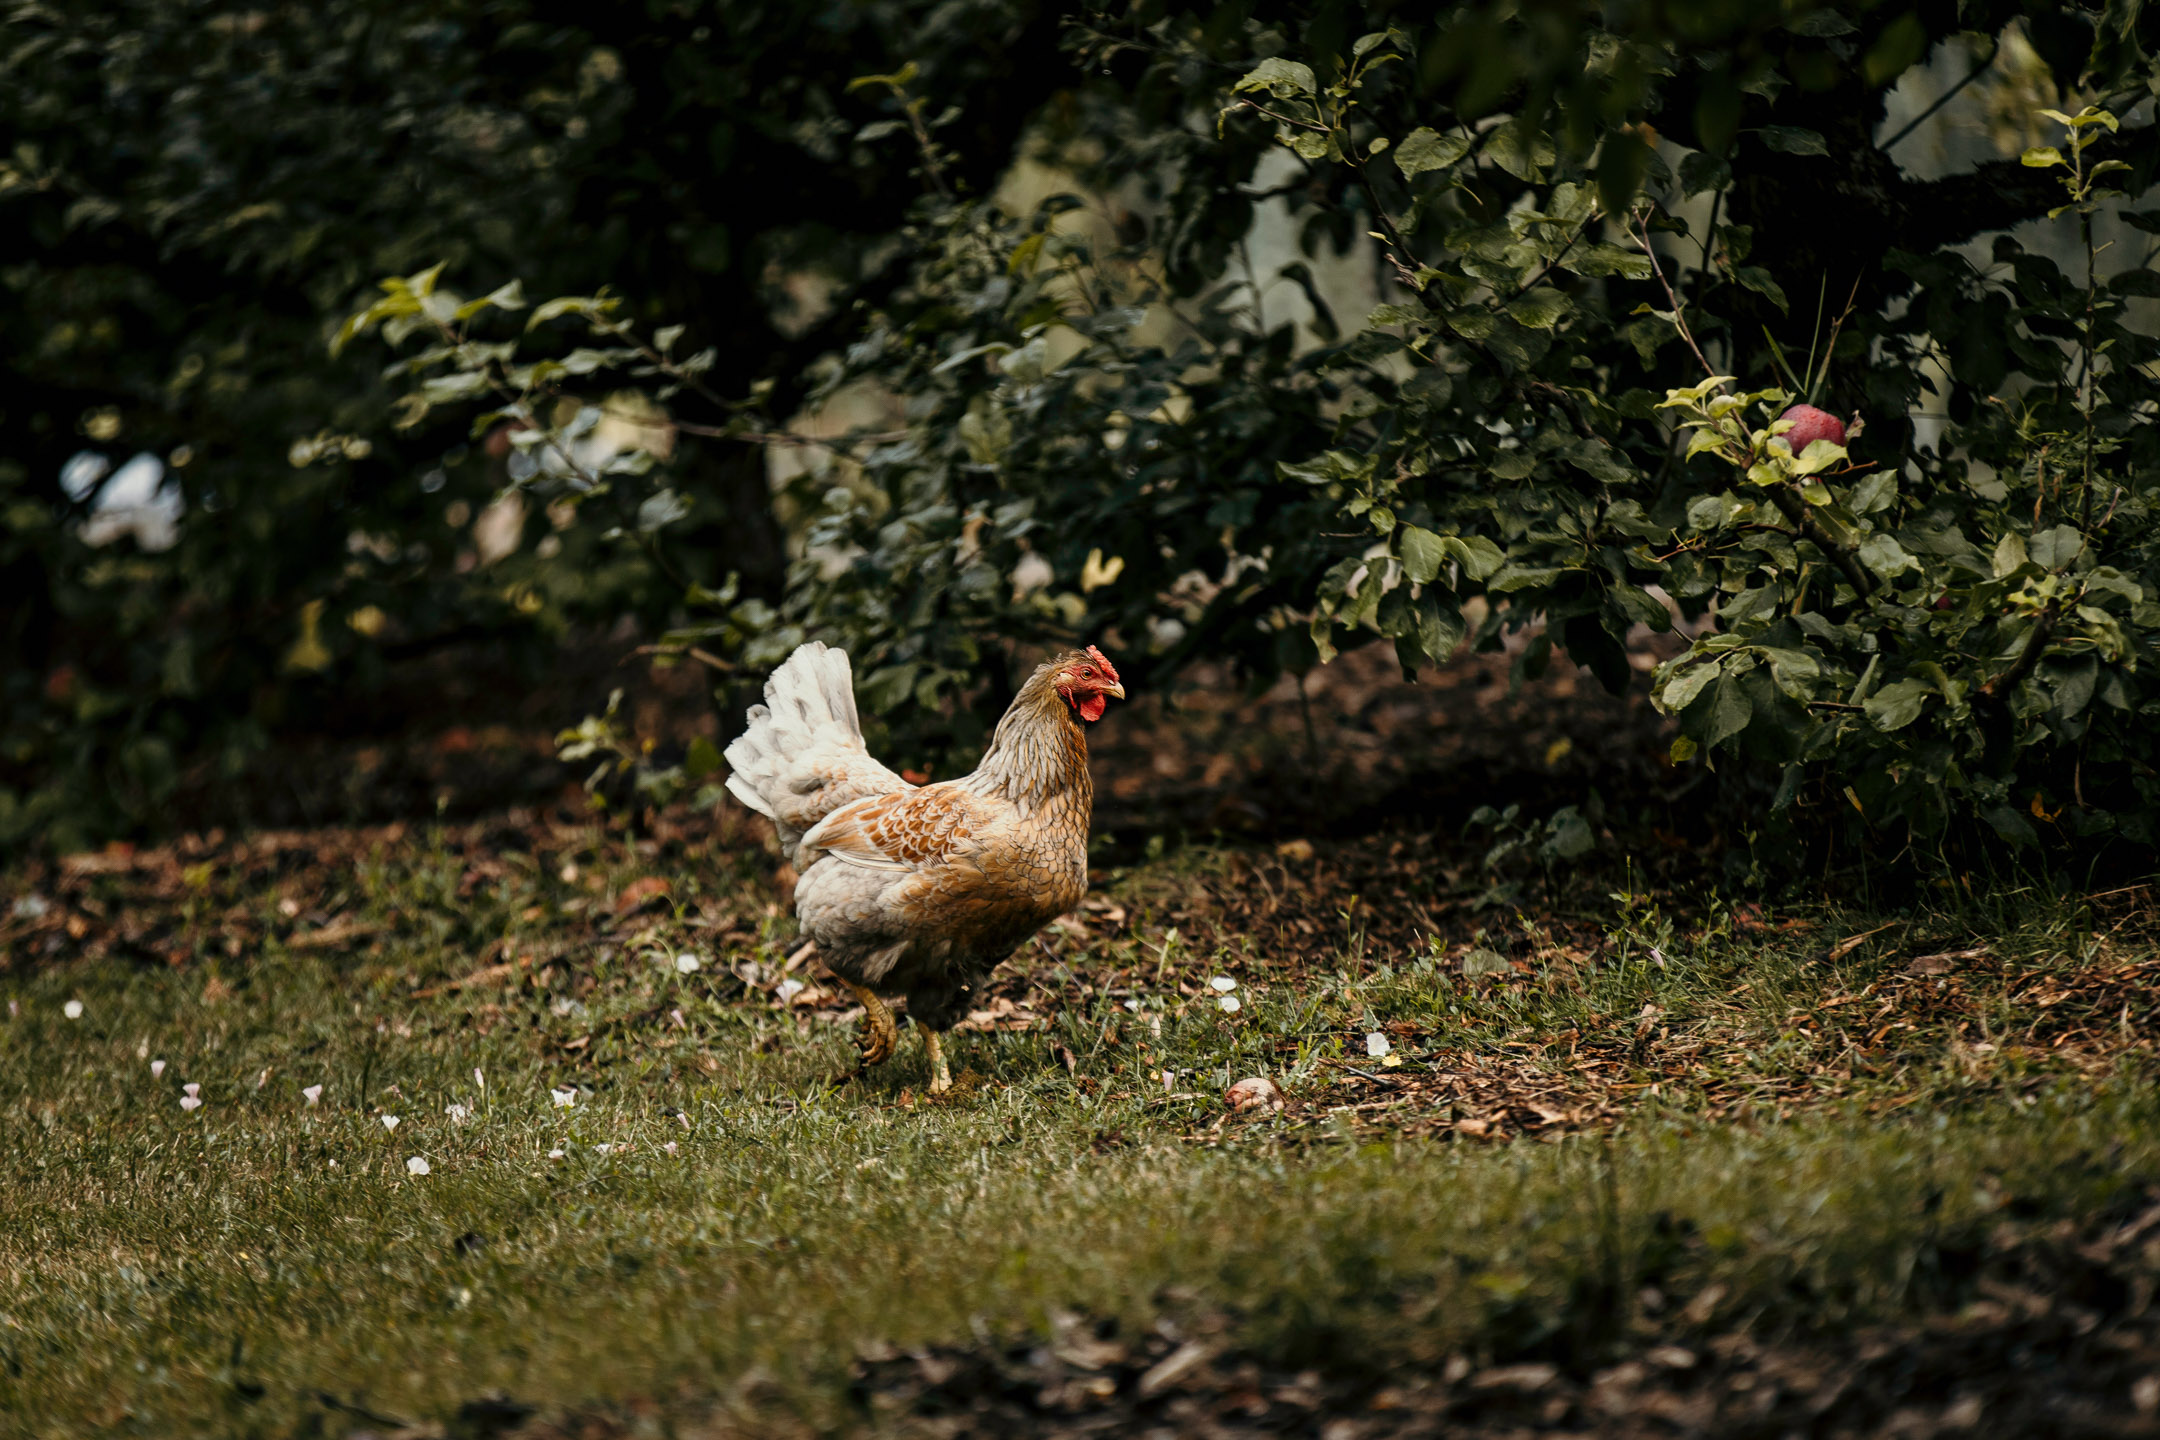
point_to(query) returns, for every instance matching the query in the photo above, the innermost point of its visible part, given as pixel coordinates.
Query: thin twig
(1554, 263)
(784, 437)
(1947, 96)
(703, 657)
(1284, 119)
(1679, 311)
(1830, 350)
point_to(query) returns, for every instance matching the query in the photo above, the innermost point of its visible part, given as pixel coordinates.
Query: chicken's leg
(880, 1036)
(940, 1077)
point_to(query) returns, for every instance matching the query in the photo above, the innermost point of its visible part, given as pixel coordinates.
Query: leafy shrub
(1956, 635)
(1897, 632)
(191, 194)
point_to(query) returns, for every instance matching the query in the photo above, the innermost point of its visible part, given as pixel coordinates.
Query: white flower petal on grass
(389, 1122)
(157, 1068)
(1229, 1003)
(789, 989)
(456, 1112)
(191, 1088)
(73, 1009)
(14, 1008)
(479, 1079)
(604, 1149)
(414, 1165)
(555, 1154)
(1376, 1044)
(189, 1102)
(687, 964)
(564, 1098)
(1133, 1004)
(669, 1147)
(312, 1094)
(1167, 1079)
(142, 1050)
(1223, 984)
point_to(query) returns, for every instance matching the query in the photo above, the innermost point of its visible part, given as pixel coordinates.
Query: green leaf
(1755, 278)
(448, 389)
(1623, 160)
(1680, 691)
(1421, 552)
(1895, 706)
(1313, 145)
(504, 297)
(1596, 261)
(1540, 309)
(702, 758)
(1284, 79)
(1478, 556)
(1520, 150)
(586, 305)
(1882, 554)
(1440, 627)
(1568, 836)
(2039, 157)
(2073, 685)
(1902, 42)
(1720, 712)
(1875, 491)
(2010, 556)
(2055, 549)
(1820, 455)
(1427, 149)
(1473, 323)
(2010, 825)
(1641, 607)
(660, 510)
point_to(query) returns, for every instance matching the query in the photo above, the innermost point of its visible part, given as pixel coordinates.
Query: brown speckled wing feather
(912, 830)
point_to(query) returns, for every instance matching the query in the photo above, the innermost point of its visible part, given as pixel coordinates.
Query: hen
(922, 891)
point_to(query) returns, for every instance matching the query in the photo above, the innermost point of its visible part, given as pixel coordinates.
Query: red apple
(1809, 425)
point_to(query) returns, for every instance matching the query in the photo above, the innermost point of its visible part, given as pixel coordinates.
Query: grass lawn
(587, 1157)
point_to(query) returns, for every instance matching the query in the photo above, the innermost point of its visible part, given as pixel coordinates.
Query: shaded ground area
(1353, 748)
(2058, 1339)
(465, 732)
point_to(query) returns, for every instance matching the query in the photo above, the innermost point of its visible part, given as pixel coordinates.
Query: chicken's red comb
(1104, 661)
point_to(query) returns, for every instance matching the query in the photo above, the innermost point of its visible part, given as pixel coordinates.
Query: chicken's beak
(1115, 692)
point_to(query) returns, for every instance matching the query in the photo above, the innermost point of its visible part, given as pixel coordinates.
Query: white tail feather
(809, 704)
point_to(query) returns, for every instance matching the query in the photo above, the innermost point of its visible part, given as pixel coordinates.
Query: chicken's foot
(880, 1035)
(940, 1077)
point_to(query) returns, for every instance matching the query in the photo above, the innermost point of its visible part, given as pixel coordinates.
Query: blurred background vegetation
(944, 330)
